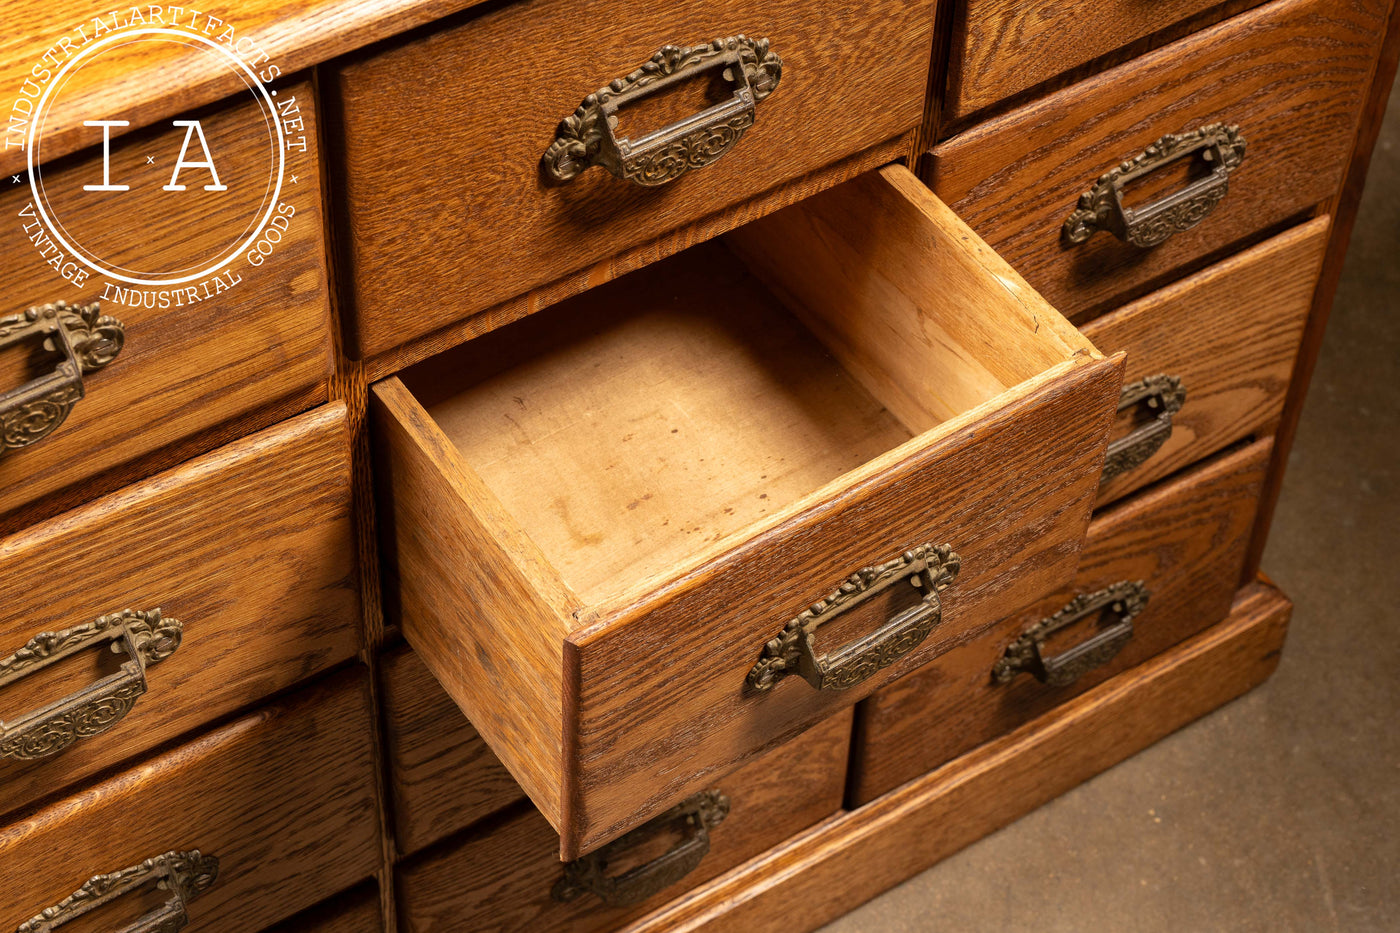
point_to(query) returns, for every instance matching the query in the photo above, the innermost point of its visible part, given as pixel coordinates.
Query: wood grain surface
(170, 79)
(283, 797)
(500, 879)
(250, 547)
(1003, 47)
(355, 911)
(1230, 334)
(245, 354)
(441, 170)
(844, 862)
(442, 774)
(1291, 74)
(1185, 540)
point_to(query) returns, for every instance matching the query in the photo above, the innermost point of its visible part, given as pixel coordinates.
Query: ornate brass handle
(588, 137)
(694, 817)
(1162, 397)
(1123, 601)
(84, 340)
(928, 567)
(1102, 207)
(145, 638)
(186, 875)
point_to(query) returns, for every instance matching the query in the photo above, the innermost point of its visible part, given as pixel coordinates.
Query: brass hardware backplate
(1123, 600)
(588, 136)
(186, 875)
(1162, 396)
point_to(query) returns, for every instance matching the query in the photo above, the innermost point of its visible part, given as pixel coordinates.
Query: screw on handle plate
(588, 137)
(1160, 397)
(1122, 602)
(694, 818)
(1102, 207)
(185, 875)
(930, 568)
(145, 638)
(82, 338)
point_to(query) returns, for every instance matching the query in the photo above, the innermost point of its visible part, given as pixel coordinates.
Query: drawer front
(1220, 345)
(1003, 47)
(356, 911)
(283, 798)
(1183, 541)
(233, 354)
(476, 196)
(249, 554)
(1289, 74)
(507, 877)
(442, 775)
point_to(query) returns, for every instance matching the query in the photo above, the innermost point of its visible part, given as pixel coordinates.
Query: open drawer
(613, 528)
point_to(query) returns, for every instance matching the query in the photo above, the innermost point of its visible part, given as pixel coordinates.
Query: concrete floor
(1281, 811)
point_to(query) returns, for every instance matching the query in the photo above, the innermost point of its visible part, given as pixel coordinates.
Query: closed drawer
(283, 799)
(195, 356)
(508, 877)
(356, 911)
(1004, 47)
(1290, 75)
(1209, 358)
(622, 510)
(443, 167)
(442, 775)
(248, 554)
(1155, 570)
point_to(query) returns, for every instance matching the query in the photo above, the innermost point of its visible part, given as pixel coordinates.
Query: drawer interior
(663, 414)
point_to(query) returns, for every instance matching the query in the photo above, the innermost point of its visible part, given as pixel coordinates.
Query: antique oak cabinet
(531, 466)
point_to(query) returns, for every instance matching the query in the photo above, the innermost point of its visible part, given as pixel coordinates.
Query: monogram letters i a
(192, 129)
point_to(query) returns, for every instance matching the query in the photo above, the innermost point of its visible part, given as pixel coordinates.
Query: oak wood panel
(283, 797)
(710, 611)
(174, 78)
(501, 879)
(355, 911)
(442, 774)
(1230, 334)
(184, 369)
(1291, 74)
(1185, 540)
(250, 547)
(442, 175)
(842, 863)
(1003, 47)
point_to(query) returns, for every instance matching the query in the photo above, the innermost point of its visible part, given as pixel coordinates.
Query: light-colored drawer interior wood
(245, 354)
(1228, 337)
(1178, 548)
(504, 877)
(283, 798)
(250, 549)
(442, 775)
(442, 170)
(609, 510)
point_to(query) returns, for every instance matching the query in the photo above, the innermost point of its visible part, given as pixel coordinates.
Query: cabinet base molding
(845, 861)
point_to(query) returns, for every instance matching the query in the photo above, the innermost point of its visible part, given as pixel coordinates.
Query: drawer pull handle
(1159, 396)
(186, 875)
(1102, 207)
(588, 137)
(86, 341)
(145, 638)
(693, 817)
(1121, 601)
(928, 567)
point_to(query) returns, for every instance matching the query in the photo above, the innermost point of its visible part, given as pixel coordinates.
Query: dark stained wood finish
(1003, 47)
(251, 547)
(442, 174)
(840, 864)
(500, 879)
(283, 797)
(354, 911)
(1292, 74)
(1184, 539)
(442, 774)
(248, 354)
(1230, 334)
(557, 665)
